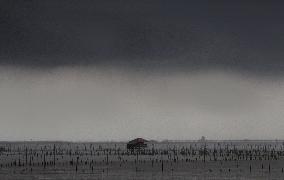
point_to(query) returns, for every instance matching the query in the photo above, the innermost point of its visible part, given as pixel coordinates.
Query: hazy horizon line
(157, 141)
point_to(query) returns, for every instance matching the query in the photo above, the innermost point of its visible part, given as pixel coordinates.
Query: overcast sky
(119, 69)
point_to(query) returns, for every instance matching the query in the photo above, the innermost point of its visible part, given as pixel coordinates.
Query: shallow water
(167, 160)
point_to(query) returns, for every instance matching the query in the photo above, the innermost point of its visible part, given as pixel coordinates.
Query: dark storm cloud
(169, 35)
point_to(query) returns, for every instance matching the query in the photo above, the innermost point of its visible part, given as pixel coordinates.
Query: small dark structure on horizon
(137, 143)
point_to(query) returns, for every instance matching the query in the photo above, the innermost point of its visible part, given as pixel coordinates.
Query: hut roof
(137, 140)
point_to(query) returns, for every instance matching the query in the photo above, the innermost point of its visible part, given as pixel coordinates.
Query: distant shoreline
(151, 141)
